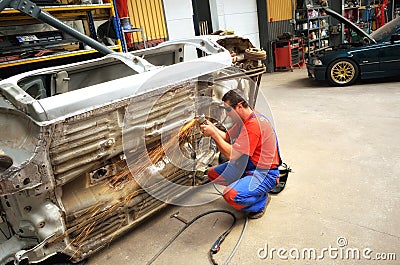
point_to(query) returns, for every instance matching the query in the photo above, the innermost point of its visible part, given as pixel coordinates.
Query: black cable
(240, 238)
(238, 242)
(219, 192)
(217, 244)
(215, 247)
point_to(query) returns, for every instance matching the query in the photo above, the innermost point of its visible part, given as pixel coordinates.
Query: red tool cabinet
(288, 53)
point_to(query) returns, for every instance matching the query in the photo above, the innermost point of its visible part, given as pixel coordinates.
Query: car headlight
(316, 61)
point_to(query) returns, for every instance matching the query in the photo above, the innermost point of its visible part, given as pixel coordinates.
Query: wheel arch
(349, 58)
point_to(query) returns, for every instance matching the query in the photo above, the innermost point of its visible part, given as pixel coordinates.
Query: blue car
(376, 56)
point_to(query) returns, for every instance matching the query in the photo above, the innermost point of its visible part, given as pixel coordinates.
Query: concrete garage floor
(343, 145)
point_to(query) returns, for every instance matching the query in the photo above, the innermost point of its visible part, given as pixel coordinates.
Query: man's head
(234, 100)
(234, 97)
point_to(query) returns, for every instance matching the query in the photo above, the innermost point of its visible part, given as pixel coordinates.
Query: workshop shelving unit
(61, 53)
(313, 24)
(369, 15)
(288, 53)
(352, 13)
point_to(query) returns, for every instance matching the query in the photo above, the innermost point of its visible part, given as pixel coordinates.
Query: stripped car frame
(66, 185)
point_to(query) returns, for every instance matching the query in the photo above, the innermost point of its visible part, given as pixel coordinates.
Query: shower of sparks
(141, 163)
(154, 155)
(187, 129)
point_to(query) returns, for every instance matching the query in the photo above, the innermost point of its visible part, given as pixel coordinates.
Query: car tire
(255, 54)
(342, 72)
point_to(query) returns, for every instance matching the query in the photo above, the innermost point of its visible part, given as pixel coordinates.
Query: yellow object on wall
(149, 15)
(279, 10)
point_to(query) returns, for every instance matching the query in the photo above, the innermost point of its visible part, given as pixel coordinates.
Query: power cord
(233, 252)
(219, 192)
(215, 247)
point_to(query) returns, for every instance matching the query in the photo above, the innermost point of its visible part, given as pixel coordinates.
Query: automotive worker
(252, 149)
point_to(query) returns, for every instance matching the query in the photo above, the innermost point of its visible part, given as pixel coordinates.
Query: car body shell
(73, 137)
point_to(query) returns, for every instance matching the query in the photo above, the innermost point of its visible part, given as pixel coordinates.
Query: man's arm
(221, 139)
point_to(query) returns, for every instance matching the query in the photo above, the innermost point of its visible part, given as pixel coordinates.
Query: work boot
(256, 215)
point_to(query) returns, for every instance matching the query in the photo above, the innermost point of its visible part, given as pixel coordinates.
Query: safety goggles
(228, 108)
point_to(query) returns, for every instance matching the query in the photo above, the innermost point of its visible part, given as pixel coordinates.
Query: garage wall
(280, 10)
(237, 15)
(272, 22)
(179, 18)
(149, 15)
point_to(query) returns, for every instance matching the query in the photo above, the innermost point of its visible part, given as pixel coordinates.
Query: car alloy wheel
(342, 72)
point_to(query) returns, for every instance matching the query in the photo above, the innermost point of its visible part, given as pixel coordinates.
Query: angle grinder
(201, 119)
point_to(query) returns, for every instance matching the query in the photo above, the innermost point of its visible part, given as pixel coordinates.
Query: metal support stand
(92, 28)
(131, 31)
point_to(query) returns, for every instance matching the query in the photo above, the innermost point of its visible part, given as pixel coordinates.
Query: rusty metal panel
(106, 197)
(67, 182)
(149, 15)
(279, 10)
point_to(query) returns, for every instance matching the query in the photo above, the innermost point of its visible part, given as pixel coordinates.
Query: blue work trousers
(247, 186)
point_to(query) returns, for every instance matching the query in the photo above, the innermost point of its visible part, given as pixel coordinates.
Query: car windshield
(383, 34)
